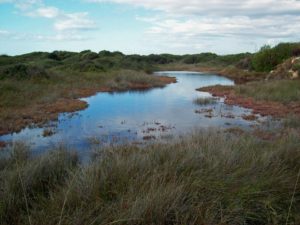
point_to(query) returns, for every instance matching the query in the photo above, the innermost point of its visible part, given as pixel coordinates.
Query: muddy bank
(264, 108)
(15, 120)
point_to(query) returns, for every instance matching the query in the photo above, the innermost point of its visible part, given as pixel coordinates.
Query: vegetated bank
(207, 177)
(277, 92)
(204, 178)
(35, 87)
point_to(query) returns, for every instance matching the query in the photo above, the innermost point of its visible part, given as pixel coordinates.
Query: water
(135, 116)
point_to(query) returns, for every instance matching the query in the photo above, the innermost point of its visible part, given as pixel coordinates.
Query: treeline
(39, 63)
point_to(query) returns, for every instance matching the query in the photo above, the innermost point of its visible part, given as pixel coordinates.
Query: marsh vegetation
(204, 178)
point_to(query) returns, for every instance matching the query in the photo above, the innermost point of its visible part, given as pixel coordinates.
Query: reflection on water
(139, 116)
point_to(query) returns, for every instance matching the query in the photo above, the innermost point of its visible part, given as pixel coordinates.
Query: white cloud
(60, 37)
(64, 21)
(228, 26)
(26, 4)
(65, 36)
(66, 25)
(74, 21)
(216, 7)
(197, 23)
(47, 12)
(4, 33)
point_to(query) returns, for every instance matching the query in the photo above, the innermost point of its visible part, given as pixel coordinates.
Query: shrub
(23, 71)
(268, 58)
(88, 55)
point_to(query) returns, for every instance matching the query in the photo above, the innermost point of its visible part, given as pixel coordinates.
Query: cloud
(66, 25)
(47, 12)
(23, 4)
(268, 27)
(4, 33)
(198, 23)
(60, 37)
(216, 7)
(74, 21)
(20, 36)
(64, 21)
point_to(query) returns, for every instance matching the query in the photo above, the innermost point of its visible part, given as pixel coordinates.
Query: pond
(139, 117)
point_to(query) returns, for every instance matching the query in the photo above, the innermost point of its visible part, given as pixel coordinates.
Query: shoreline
(264, 108)
(239, 76)
(38, 115)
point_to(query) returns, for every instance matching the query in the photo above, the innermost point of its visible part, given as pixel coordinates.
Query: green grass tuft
(206, 178)
(205, 101)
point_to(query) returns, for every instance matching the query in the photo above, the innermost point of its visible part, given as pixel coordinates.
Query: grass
(204, 178)
(205, 101)
(36, 99)
(284, 91)
(124, 80)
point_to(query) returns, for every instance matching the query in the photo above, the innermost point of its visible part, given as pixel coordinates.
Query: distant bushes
(89, 55)
(23, 71)
(60, 55)
(268, 58)
(214, 59)
(88, 61)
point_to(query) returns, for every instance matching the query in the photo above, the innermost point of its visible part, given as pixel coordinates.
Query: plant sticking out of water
(48, 132)
(205, 101)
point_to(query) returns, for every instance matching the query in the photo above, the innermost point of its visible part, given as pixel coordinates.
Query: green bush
(268, 58)
(23, 71)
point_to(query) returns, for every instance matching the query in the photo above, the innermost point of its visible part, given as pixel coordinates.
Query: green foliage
(199, 58)
(88, 61)
(23, 71)
(60, 55)
(268, 58)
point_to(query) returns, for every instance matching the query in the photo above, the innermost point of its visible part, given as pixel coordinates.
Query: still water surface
(135, 116)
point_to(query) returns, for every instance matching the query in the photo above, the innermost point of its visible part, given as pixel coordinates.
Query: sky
(147, 26)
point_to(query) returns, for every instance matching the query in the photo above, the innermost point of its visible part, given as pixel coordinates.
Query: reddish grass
(17, 119)
(263, 108)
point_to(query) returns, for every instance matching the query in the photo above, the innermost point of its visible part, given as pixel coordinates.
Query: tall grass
(206, 178)
(284, 91)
